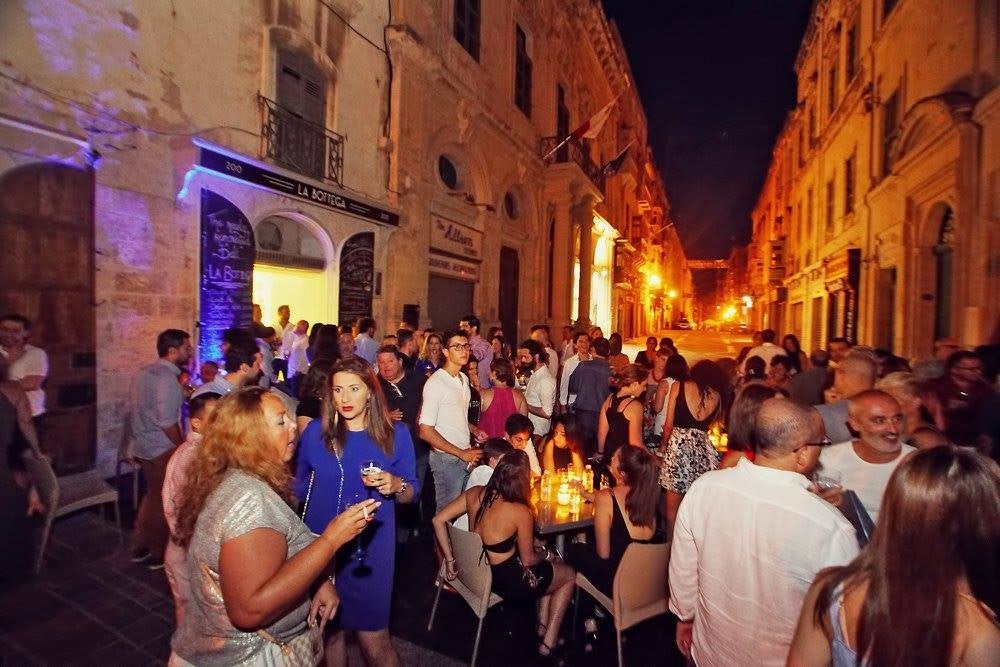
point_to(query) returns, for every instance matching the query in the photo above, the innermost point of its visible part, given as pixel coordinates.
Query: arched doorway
(47, 275)
(943, 252)
(292, 269)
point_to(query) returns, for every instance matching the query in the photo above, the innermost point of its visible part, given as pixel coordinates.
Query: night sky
(716, 80)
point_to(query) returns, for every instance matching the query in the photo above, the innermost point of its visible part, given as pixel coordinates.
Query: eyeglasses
(458, 347)
(825, 442)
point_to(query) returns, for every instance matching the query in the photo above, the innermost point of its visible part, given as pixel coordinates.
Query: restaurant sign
(456, 240)
(238, 168)
(452, 267)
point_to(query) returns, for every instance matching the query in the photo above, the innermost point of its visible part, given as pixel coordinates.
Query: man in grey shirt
(156, 400)
(807, 387)
(855, 374)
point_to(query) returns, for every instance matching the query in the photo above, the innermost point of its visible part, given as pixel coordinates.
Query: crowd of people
(281, 477)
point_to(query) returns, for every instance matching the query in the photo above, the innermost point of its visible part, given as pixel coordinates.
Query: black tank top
(683, 417)
(617, 424)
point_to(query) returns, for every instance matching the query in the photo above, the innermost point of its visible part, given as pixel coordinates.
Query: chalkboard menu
(357, 277)
(227, 257)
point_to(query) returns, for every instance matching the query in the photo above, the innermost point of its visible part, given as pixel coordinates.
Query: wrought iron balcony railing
(576, 153)
(293, 142)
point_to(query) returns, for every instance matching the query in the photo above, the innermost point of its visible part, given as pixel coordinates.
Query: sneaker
(155, 564)
(140, 554)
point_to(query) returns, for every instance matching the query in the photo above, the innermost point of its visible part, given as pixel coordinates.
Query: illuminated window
(467, 25)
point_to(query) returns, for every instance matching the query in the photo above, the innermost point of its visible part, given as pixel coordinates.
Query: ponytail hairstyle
(644, 500)
(628, 374)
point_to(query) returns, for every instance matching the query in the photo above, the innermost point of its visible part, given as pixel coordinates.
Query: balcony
(290, 141)
(573, 153)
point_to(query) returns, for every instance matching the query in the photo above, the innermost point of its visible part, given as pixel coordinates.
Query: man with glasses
(866, 463)
(961, 392)
(748, 542)
(444, 421)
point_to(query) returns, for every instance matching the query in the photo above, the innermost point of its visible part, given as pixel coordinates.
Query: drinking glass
(368, 470)
(359, 551)
(827, 479)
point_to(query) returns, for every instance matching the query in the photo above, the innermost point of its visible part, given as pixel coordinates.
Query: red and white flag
(590, 128)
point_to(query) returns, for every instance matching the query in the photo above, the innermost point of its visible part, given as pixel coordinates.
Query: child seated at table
(519, 431)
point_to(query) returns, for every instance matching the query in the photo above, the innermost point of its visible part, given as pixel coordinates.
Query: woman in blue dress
(355, 428)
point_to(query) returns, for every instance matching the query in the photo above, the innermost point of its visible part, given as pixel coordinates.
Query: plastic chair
(639, 590)
(126, 457)
(474, 581)
(65, 495)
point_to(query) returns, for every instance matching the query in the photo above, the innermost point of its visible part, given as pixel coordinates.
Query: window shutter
(290, 82)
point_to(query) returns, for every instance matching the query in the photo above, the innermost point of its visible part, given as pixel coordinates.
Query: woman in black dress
(630, 512)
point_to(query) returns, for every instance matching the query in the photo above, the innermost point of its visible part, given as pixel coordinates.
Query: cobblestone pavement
(92, 606)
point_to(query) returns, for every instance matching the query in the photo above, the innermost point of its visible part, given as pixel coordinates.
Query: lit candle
(562, 495)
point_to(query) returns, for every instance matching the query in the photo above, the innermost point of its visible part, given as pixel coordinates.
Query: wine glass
(368, 470)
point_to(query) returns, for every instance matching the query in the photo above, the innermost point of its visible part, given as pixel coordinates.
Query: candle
(562, 495)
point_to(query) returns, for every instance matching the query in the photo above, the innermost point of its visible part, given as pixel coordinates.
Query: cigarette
(364, 509)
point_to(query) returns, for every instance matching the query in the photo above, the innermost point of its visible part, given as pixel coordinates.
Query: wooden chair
(65, 495)
(474, 581)
(639, 590)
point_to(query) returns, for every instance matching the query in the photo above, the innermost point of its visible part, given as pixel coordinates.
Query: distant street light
(654, 280)
(672, 294)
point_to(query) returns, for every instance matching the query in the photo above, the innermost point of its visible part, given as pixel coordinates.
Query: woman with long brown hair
(501, 514)
(630, 512)
(356, 434)
(620, 420)
(251, 561)
(926, 589)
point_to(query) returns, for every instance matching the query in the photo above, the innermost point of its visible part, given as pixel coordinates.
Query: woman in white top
(675, 370)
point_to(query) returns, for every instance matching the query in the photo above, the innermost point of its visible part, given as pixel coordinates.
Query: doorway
(885, 322)
(47, 275)
(448, 301)
(510, 271)
(943, 256)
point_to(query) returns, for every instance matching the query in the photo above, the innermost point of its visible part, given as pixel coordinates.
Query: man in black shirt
(404, 391)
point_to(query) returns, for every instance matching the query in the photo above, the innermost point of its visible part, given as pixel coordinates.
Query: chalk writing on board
(357, 277)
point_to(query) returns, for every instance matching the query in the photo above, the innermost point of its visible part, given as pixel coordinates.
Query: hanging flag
(590, 128)
(611, 167)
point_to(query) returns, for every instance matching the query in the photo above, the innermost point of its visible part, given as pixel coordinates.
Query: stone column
(583, 217)
(562, 263)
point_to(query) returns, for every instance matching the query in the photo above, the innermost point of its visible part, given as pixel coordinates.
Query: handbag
(530, 578)
(304, 650)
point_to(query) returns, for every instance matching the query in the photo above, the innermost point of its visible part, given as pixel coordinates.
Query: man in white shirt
(283, 329)
(540, 334)
(444, 421)
(865, 464)
(293, 348)
(493, 451)
(26, 364)
(365, 345)
(581, 343)
(540, 394)
(748, 542)
(767, 350)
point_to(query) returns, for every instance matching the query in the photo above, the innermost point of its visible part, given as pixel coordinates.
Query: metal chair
(65, 495)
(474, 581)
(639, 590)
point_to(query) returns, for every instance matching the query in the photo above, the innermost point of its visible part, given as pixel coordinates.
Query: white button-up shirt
(541, 393)
(446, 406)
(566, 398)
(747, 544)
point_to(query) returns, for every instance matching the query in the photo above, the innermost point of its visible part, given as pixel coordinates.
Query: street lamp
(654, 280)
(672, 294)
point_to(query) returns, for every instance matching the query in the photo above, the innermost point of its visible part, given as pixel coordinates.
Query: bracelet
(333, 580)
(402, 487)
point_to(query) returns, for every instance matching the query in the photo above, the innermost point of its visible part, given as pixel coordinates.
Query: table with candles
(563, 503)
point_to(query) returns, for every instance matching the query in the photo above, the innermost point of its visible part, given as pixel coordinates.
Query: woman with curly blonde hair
(251, 561)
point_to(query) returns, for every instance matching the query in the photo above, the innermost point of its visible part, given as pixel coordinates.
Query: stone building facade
(482, 91)
(878, 219)
(341, 157)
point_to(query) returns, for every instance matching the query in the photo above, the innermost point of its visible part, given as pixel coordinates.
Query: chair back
(640, 586)
(475, 579)
(126, 445)
(44, 479)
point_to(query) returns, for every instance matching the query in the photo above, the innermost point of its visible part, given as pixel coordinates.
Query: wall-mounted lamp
(471, 201)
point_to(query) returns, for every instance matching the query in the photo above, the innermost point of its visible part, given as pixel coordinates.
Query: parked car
(684, 323)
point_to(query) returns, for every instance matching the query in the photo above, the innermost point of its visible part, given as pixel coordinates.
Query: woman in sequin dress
(251, 561)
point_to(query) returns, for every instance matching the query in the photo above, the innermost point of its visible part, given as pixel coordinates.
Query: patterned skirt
(690, 454)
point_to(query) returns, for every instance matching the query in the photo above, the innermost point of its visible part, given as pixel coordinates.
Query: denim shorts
(450, 475)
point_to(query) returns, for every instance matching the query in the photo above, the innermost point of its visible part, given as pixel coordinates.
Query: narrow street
(695, 345)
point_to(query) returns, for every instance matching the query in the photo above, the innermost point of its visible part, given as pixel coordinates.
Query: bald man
(855, 373)
(866, 463)
(749, 540)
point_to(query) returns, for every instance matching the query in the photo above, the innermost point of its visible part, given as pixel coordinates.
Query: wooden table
(554, 519)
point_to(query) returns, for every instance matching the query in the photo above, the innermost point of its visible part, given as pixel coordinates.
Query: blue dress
(365, 588)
